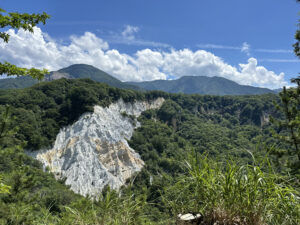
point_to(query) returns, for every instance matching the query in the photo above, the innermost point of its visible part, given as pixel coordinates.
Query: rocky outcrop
(264, 119)
(93, 152)
(56, 76)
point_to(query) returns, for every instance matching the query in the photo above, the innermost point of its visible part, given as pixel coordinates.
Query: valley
(93, 137)
(149, 112)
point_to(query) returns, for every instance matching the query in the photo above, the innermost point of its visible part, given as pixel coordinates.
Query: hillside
(216, 141)
(94, 137)
(202, 85)
(18, 82)
(187, 84)
(75, 71)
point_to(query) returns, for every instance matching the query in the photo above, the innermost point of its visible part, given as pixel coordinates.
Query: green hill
(75, 71)
(18, 82)
(187, 84)
(86, 71)
(202, 85)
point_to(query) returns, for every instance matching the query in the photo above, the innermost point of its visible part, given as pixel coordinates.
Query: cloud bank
(39, 50)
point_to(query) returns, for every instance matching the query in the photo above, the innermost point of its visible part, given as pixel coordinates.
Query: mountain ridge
(202, 85)
(74, 71)
(186, 84)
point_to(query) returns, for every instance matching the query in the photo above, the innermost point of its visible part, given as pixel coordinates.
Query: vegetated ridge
(186, 84)
(75, 71)
(202, 85)
(18, 82)
(87, 71)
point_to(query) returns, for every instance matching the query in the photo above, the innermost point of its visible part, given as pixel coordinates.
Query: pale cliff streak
(93, 152)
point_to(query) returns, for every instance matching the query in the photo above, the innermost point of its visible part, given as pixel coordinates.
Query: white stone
(188, 219)
(189, 216)
(94, 152)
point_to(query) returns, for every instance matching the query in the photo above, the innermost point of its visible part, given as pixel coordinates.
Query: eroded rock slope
(94, 152)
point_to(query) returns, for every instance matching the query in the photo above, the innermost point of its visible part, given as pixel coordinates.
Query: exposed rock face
(264, 119)
(56, 76)
(94, 152)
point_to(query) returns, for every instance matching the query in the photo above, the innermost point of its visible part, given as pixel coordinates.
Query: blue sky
(150, 35)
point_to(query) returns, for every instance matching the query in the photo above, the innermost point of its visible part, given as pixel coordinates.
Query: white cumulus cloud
(39, 50)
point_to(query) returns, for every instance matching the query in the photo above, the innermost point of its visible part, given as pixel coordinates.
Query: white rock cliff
(94, 152)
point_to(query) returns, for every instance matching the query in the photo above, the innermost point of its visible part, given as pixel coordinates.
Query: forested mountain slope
(45, 108)
(187, 84)
(201, 85)
(18, 82)
(224, 127)
(75, 71)
(86, 71)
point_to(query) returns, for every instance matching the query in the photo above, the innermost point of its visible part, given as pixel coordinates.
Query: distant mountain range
(186, 84)
(75, 71)
(86, 71)
(202, 85)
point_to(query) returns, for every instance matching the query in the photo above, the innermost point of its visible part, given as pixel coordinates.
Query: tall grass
(112, 208)
(233, 194)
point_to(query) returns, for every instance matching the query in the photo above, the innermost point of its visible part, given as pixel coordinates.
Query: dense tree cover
(18, 82)
(213, 124)
(201, 85)
(45, 108)
(42, 110)
(223, 127)
(220, 125)
(290, 125)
